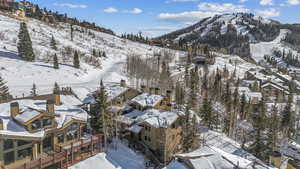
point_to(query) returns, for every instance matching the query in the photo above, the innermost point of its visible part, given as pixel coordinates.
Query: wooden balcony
(67, 155)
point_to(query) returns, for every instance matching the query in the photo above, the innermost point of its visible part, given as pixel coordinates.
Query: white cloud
(293, 2)
(226, 7)
(110, 10)
(242, 1)
(134, 11)
(69, 5)
(268, 13)
(185, 17)
(266, 2)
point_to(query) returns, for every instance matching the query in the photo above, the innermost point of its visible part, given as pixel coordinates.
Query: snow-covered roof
(214, 158)
(27, 114)
(241, 90)
(135, 128)
(29, 109)
(250, 95)
(277, 86)
(158, 118)
(112, 91)
(98, 161)
(147, 100)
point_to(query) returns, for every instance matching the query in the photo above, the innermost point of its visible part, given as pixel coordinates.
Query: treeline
(288, 57)
(137, 38)
(50, 16)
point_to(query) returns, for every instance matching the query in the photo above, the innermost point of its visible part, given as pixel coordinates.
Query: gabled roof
(147, 100)
(30, 109)
(158, 118)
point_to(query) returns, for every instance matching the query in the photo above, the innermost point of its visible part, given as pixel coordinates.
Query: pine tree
(55, 62)
(104, 54)
(185, 130)
(258, 147)
(53, 43)
(273, 130)
(208, 115)
(76, 62)
(4, 91)
(72, 31)
(25, 49)
(33, 90)
(287, 121)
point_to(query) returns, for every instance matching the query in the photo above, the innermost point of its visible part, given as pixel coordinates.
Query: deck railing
(65, 156)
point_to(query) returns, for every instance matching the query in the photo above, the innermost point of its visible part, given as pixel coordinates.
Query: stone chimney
(157, 91)
(1, 124)
(50, 106)
(143, 88)
(123, 83)
(14, 109)
(56, 99)
(151, 90)
(169, 94)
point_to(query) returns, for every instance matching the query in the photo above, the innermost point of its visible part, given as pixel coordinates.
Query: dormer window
(46, 121)
(37, 124)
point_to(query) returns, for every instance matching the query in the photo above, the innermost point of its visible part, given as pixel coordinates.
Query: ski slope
(259, 50)
(21, 75)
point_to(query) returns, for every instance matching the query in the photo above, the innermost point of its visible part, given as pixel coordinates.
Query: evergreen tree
(25, 49)
(55, 62)
(259, 147)
(104, 54)
(185, 129)
(4, 91)
(207, 114)
(72, 31)
(287, 121)
(76, 62)
(53, 43)
(273, 130)
(33, 90)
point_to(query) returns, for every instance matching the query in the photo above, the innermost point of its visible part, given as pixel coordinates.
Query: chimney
(56, 99)
(123, 83)
(1, 124)
(157, 91)
(151, 90)
(50, 106)
(14, 109)
(169, 94)
(143, 88)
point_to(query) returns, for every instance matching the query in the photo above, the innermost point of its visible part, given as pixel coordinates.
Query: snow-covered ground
(120, 157)
(21, 75)
(259, 50)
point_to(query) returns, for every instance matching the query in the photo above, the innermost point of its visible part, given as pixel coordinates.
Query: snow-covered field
(21, 75)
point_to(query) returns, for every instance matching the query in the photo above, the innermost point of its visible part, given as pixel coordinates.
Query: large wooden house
(38, 133)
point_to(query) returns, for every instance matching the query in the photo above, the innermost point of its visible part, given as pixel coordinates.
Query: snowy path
(258, 50)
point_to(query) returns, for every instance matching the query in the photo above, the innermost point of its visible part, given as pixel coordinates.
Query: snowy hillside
(241, 24)
(21, 75)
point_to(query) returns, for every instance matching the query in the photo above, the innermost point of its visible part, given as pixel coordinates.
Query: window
(9, 158)
(36, 125)
(23, 142)
(146, 138)
(46, 121)
(8, 144)
(27, 152)
(60, 137)
(72, 131)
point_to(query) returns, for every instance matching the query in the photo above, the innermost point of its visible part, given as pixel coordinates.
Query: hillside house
(283, 161)
(158, 130)
(275, 90)
(41, 133)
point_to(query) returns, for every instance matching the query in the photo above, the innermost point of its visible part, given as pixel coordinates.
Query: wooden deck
(68, 155)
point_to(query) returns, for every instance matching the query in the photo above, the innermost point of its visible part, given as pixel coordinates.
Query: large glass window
(27, 152)
(46, 121)
(60, 138)
(36, 124)
(23, 142)
(8, 144)
(9, 158)
(72, 132)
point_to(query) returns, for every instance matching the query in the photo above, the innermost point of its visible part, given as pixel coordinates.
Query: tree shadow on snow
(10, 55)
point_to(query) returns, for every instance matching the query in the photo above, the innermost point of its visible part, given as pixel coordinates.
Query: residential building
(40, 133)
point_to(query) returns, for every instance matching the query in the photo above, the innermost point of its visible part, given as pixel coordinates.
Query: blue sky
(155, 17)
